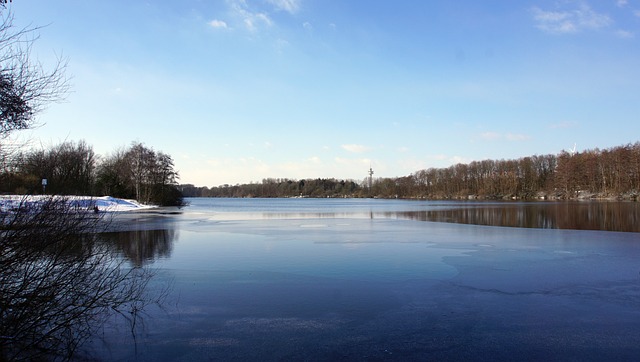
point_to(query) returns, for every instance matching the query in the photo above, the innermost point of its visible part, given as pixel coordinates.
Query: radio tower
(370, 177)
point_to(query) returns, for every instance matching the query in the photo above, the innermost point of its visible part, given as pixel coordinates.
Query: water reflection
(605, 216)
(615, 216)
(153, 237)
(141, 247)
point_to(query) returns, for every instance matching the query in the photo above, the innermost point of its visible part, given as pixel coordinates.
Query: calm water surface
(343, 279)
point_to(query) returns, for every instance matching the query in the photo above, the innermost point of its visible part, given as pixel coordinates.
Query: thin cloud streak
(252, 20)
(570, 21)
(218, 24)
(290, 6)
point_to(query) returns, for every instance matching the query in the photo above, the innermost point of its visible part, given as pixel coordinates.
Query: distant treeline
(70, 168)
(610, 173)
(280, 188)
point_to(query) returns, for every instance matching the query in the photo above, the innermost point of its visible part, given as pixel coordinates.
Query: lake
(377, 280)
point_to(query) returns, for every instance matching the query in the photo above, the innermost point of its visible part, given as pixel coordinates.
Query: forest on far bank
(612, 173)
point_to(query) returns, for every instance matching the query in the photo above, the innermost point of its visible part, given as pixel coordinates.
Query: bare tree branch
(26, 87)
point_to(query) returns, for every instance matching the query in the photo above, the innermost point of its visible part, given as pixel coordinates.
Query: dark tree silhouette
(25, 86)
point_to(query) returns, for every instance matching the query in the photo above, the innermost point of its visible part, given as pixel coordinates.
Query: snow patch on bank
(104, 203)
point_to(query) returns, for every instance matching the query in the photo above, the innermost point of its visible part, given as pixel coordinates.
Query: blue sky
(241, 90)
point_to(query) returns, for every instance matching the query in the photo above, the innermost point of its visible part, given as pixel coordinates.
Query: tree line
(609, 173)
(73, 168)
(595, 173)
(280, 187)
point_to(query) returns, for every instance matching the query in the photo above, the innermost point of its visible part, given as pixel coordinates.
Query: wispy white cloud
(551, 21)
(307, 26)
(355, 148)
(625, 34)
(218, 24)
(622, 3)
(255, 20)
(252, 20)
(290, 6)
(566, 21)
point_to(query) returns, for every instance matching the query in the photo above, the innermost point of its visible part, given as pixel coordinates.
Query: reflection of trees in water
(60, 284)
(142, 246)
(601, 216)
(605, 216)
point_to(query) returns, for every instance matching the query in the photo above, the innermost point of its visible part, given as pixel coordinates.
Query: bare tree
(25, 86)
(69, 167)
(142, 173)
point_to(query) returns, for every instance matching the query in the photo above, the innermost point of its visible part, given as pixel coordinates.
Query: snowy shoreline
(103, 204)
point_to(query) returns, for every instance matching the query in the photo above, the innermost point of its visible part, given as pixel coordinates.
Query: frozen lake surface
(335, 279)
